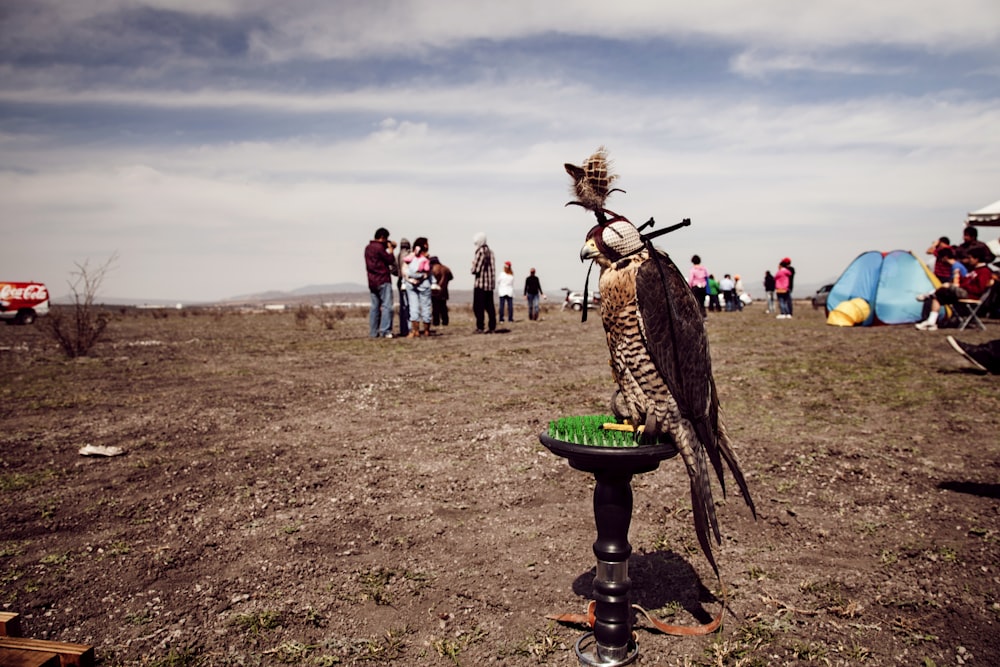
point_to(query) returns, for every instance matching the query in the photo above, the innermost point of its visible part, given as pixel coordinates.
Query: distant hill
(335, 288)
(271, 296)
(308, 290)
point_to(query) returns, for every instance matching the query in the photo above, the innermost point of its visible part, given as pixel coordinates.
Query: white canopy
(988, 216)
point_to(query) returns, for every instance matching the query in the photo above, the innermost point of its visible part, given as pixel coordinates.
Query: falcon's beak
(589, 250)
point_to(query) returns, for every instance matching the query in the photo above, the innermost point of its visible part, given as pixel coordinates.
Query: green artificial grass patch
(588, 430)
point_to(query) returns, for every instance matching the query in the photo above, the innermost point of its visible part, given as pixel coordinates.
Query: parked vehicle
(819, 298)
(574, 299)
(21, 303)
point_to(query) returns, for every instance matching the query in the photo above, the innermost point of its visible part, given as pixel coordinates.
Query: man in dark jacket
(381, 266)
(439, 292)
(532, 292)
(970, 240)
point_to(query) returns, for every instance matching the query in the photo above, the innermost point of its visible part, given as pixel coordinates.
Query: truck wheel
(25, 317)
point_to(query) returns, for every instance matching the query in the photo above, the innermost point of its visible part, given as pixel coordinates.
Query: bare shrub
(330, 316)
(78, 330)
(302, 314)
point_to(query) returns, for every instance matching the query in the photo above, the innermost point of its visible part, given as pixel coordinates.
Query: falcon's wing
(676, 339)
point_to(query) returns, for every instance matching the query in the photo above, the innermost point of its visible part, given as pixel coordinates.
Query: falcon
(658, 345)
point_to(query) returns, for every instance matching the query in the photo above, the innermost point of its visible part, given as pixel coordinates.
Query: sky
(215, 148)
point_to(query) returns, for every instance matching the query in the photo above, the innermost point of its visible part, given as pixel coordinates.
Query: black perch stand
(611, 642)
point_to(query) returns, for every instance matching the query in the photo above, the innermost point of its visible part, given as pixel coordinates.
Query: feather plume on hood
(592, 182)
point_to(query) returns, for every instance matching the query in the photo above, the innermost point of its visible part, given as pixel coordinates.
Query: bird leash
(588, 619)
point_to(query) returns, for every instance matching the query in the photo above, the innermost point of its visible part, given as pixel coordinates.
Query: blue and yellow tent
(880, 288)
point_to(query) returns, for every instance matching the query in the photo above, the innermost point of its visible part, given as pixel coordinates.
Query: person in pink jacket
(698, 281)
(782, 286)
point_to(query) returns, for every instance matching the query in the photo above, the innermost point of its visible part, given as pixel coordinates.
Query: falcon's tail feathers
(726, 449)
(722, 449)
(702, 504)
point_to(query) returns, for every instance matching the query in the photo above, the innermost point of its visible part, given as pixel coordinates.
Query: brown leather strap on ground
(683, 630)
(588, 618)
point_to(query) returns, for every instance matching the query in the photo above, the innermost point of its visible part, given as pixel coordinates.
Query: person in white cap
(484, 269)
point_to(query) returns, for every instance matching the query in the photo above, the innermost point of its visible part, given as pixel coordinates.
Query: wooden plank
(70, 655)
(10, 624)
(13, 657)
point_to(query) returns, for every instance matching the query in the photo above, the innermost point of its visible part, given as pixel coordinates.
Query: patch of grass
(808, 651)
(117, 548)
(291, 651)
(785, 485)
(832, 597)
(54, 559)
(143, 618)
(855, 654)
(179, 657)
(868, 528)
(11, 575)
(386, 648)
(451, 647)
(739, 650)
(48, 508)
(314, 618)
(16, 481)
(10, 549)
(376, 582)
(255, 623)
(945, 554)
(539, 645)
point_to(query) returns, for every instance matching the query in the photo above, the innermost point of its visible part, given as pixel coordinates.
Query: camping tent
(988, 216)
(888, 283)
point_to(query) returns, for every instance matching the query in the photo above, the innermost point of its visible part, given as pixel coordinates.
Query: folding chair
(968, 310)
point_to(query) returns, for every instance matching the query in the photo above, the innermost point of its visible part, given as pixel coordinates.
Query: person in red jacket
(380, 263)
(975, 283)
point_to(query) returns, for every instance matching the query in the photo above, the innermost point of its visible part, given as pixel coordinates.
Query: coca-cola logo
(32, 292)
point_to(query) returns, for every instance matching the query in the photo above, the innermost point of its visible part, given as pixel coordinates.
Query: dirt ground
(297, 494)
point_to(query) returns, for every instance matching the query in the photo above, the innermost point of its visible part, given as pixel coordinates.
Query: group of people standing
(707, 288)
(486, 281)
(422, 281)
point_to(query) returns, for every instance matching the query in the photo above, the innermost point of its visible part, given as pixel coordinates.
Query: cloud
(229, 147)
(756, 64)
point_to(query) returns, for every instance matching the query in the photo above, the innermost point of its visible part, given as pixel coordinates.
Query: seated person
(972, 286)
(941, 268)
(954, 270)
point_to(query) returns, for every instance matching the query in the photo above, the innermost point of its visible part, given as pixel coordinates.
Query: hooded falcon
(658, 344)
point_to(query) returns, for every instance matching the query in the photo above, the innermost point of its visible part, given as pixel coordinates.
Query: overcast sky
(226, 147)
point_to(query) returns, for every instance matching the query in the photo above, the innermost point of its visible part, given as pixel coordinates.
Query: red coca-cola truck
(21, 303)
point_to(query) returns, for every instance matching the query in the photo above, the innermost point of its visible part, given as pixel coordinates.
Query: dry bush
(78, 330)
(330, 316)
(302, 314)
